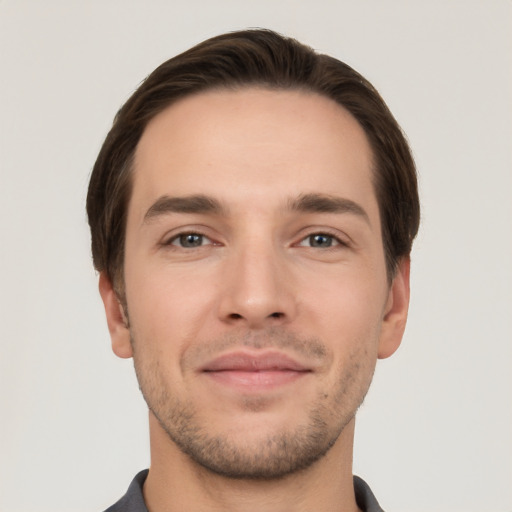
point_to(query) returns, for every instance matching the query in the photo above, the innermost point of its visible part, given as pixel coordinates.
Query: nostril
(238, 316)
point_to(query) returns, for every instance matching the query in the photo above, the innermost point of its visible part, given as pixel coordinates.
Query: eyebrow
(325, 203)
(202, 204)
(184, 204)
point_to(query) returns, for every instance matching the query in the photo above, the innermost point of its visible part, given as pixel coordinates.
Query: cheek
(167, 305)
(347, 311)
(345, 300)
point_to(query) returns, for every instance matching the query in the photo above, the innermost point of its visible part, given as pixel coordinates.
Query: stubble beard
(278, 454)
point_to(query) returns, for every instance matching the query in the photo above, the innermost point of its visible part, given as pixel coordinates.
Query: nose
(257, 291)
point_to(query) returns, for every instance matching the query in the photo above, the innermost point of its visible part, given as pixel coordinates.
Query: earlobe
(395, 314)
(116, 319)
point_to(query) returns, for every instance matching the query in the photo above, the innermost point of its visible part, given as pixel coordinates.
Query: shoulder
(133, 500)
(365, 498)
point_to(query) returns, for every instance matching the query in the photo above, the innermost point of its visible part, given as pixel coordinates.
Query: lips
(254, 371)
(242, 361)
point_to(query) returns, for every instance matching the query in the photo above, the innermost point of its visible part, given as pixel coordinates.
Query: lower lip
(255, 381)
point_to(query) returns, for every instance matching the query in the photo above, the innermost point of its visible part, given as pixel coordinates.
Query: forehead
(253, 144)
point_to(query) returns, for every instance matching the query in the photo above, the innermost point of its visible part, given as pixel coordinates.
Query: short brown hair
(241, 59)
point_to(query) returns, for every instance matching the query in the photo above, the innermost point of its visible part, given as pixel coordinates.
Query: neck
(175, 482)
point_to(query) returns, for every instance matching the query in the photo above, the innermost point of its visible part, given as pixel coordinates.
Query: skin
(264, 274)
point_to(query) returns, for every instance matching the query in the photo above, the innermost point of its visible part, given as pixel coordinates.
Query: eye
(320, 240)
(189, 240)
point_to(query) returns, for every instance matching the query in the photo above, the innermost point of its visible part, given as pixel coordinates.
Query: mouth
(255, 372)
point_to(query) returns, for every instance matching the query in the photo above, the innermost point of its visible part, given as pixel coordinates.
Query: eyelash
(182, 236)
(334, 240)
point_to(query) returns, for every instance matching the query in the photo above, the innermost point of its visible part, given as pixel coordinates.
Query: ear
(116, 319)
(395, 312)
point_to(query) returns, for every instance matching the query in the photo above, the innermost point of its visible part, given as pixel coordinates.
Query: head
(252, 212)
(233, 61)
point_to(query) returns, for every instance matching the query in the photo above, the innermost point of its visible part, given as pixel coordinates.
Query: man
(252, 212)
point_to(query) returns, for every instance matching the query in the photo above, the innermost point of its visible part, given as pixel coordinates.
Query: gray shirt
(133, 501)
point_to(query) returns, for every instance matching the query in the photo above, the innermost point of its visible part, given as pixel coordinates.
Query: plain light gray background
(435, 431)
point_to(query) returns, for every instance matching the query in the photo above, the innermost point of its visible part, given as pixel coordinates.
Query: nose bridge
(258, 288)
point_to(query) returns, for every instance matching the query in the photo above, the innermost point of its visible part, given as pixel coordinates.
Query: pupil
(191, 240)
(321, 241)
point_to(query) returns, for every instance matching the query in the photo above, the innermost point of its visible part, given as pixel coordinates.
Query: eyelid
(335, 241)
(341, 239)
(204, 239)
(173, 235)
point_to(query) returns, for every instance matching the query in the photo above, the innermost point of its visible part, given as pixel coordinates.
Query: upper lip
(251, 362)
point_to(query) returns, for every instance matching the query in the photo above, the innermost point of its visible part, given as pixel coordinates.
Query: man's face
(255, 278)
